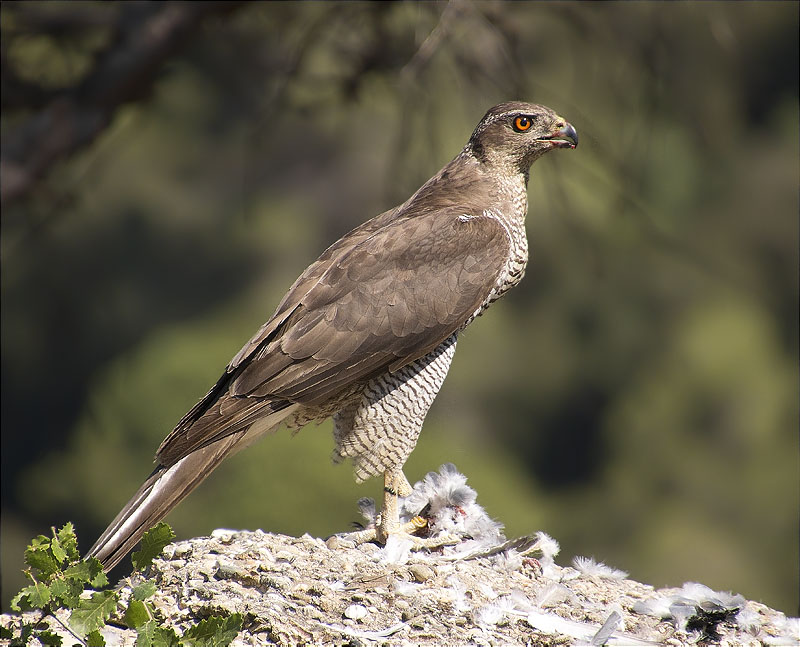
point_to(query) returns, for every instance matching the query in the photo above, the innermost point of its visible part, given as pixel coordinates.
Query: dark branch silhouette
(145, 35)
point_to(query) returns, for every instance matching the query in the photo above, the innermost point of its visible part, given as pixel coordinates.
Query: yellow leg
(395, 484)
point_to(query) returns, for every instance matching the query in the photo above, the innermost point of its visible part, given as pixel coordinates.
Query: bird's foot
(431, 543)
(387, 522)
(407, 531)
(380, 534)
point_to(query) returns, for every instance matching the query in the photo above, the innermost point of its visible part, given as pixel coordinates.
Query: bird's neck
(504, 167)
(507, 180)
(474, 186)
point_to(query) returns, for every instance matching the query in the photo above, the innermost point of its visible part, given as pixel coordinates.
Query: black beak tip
(570, 135)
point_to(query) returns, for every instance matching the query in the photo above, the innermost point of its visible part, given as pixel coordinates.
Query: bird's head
(511, 136)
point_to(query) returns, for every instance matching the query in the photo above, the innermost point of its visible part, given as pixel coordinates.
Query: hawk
(367, 332)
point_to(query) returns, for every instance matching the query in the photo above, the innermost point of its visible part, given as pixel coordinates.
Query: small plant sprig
(59, 577)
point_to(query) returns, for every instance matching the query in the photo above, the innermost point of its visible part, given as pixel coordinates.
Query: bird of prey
(367, 332)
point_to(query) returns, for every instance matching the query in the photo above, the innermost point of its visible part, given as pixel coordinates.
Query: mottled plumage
(367, 332)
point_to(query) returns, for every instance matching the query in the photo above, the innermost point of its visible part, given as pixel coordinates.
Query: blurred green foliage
(635, 397)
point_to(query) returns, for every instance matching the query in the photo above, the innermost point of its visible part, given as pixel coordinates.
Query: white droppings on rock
(401, 587)
(356, 612)
(491, 614)
(488, 591)
(182, 549)
(225, 535)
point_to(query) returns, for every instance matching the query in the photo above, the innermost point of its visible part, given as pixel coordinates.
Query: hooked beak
(565, 137)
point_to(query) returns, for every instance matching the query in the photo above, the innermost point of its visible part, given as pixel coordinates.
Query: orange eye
(521, 124)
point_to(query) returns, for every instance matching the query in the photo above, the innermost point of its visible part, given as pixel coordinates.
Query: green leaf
(89, 571)
(92, 614)
(95, 639)
(100, 579)
(69, 541)
(20, 602)
(144, 590)
(49, 638)
(151, 635)
(165, 637)
(67, 592)
(35, 596)
(145, 634)
(153, 543)
(39, 556)
(82, 572)
(58, 552)
(137, 614)
(214, 631)
(5, 632)
(25, 633)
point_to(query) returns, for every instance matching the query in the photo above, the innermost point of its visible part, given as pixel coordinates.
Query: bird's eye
(521, 124)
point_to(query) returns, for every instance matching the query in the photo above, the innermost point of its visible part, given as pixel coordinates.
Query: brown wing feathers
(387, 301)
(361, 309)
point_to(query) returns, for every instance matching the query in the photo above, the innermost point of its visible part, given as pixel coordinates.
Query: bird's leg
(387, 522)
(395, 484)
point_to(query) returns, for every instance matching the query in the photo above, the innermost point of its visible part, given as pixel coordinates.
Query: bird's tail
(160, 493)
(164, 489)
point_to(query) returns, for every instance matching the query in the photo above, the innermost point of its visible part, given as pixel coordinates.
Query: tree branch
(148, 35)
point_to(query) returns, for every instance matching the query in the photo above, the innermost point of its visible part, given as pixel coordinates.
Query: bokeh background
(169, 169)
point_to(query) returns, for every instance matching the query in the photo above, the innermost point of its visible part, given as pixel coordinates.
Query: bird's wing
(306, 281)
(375, 301)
